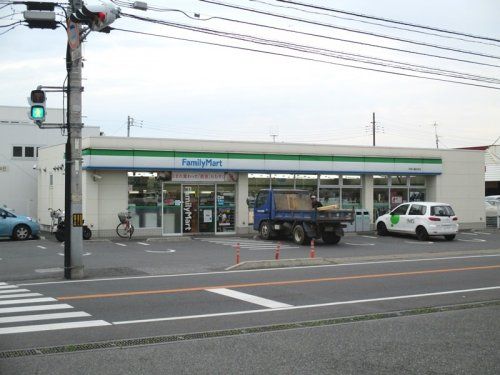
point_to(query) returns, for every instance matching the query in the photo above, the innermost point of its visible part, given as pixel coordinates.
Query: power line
(350, 30)
(375, 23)
(389, 20)
(325, 52)
(305, 58)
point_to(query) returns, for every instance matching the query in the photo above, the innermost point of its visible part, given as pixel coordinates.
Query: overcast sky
(182, 89)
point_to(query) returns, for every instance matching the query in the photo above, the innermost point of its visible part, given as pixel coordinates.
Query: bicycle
(125, 228)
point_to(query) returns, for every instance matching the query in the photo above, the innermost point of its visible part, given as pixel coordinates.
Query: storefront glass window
(417, 195)
(380, 202)
(307, 182)
(226, 207)
(417, 180)
(144, 199)
(380, 180)
(282, 181)
(329, 180)
(351, 198)
(329, 196)
(398, 196)
(351, 180)
(398, 180)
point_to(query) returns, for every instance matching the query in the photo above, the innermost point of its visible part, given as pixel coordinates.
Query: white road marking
(420, 242)
(3, 283)
(8, 286)
(3, 289)
(60, 306)
(488, 234)
(83, 255)
(41, 247)
(49, 270)
(248, 298)
(352, 302)
(469, 233)
(22, 295)
(359, 244)
(168, 251)
(120, 244)
(143, 243)
(29, 318)
(53, 327)
(473, 240)
(369, 237)
(284, 269)
(29, 300)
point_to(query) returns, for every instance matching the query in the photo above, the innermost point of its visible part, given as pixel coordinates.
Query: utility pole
(436, 134)
(130, 123)
(373, 129)
(73, 245)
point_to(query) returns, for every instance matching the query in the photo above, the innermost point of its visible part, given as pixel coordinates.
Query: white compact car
(421, 218)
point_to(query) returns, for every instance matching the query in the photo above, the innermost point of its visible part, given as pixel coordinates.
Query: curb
(261, 264)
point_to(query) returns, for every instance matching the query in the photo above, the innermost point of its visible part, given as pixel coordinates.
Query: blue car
(17, 227)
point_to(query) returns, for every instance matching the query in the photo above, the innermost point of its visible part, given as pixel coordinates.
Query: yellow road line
(274, 283)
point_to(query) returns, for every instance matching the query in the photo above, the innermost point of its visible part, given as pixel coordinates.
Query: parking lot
(43, 258)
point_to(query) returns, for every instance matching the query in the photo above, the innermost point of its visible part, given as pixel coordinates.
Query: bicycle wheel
(121, 230)
(131, 231)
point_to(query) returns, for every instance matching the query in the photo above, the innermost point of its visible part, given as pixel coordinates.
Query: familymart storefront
(185, 187)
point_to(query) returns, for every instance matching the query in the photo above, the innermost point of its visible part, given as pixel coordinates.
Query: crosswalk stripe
(28, 300)
(29, 318)
(3, 283)
(21, 295)
(59, 306)
(53, 327)
(8, 286)
(13, 290)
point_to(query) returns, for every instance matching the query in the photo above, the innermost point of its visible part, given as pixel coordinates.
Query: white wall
(18, 176)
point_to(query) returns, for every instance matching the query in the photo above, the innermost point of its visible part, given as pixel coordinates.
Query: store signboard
(211, 163)
(198, 176)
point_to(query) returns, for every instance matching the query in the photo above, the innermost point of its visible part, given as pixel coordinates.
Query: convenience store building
(176, 187)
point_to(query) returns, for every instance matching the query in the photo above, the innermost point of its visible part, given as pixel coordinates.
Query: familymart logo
(202, 163)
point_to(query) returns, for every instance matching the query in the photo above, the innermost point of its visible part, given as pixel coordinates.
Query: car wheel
(422, 234)
(265, 230)
(21, 232)
(299, 235)
(450, 237)
(330, 238)
(382, 229)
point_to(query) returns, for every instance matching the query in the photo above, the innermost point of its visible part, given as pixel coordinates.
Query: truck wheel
(265, 230)
(299, 235)
(330, 238)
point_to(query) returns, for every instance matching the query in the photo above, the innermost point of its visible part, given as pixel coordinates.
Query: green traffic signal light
(38, 112)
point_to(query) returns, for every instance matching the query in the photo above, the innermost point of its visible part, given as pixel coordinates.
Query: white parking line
(41, 247)
(143, 243)
(49, 270)
(168, 251)
(369, 237)
(488, 234)
(248, 298)
(84, 254)
(359, 244)
(469, 233)
(473, 240)
(420, 242)
(352, 302)
(120, 244)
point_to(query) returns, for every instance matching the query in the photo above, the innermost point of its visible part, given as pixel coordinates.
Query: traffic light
(37, 101)
(98, 15)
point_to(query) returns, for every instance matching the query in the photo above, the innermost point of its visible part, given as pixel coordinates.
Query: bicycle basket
(123, 216)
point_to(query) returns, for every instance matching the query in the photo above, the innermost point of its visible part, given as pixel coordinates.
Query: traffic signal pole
(73, 245)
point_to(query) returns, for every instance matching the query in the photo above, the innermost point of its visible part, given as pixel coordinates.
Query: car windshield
(442, 211)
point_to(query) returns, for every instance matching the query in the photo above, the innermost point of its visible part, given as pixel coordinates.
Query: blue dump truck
(279, 212)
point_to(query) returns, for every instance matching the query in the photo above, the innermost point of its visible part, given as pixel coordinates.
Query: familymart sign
(134, 160)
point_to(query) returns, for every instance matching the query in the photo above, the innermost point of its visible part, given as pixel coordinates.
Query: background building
(20, 141)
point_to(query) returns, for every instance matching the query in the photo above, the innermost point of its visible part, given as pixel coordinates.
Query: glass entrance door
(206, 209)
(172, 209)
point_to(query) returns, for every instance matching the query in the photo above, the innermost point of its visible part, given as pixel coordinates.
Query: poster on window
(207, 216)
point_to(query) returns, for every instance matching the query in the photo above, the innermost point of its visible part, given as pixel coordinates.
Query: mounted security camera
(96, 177)
(34, 166)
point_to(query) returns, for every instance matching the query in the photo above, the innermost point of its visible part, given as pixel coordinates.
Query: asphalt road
(389, 305)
